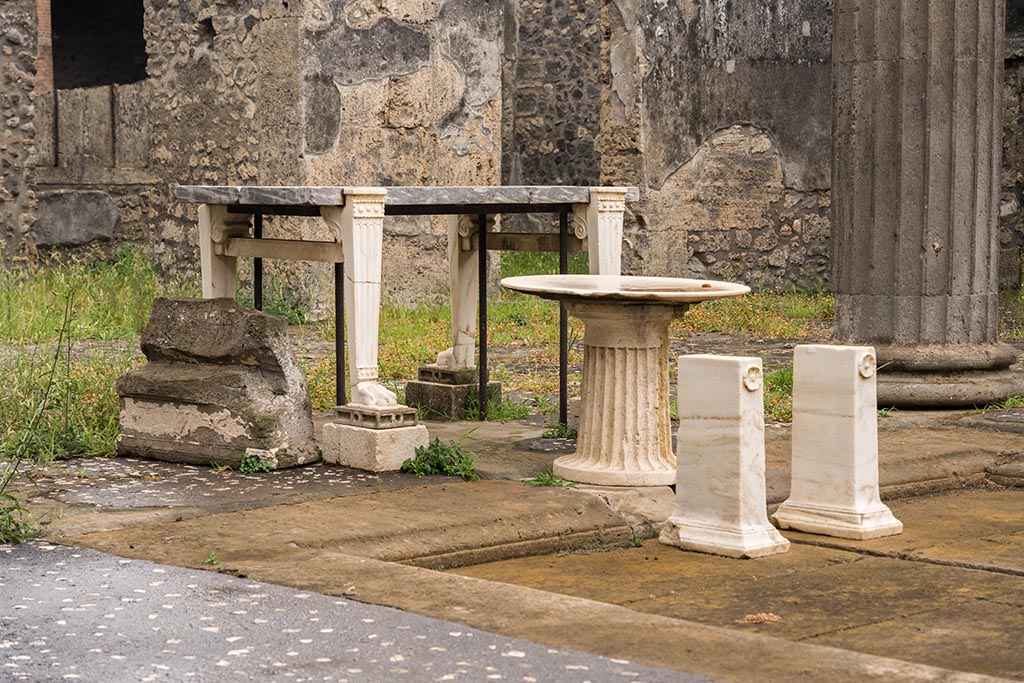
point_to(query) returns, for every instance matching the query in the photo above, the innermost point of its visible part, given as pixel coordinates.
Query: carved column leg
(600, 222)
(463, 255)
(360, 224)
(624, 434)
(219, 272)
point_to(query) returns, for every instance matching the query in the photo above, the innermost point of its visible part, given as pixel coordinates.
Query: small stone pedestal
(720, 490)
(625, 436)
(371, 438)
(835, 446)
(447, 393)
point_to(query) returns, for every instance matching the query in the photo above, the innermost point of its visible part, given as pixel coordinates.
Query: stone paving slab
(981, 529)
(957, 561)
(74, 614)
(448, 524)
(107, 493)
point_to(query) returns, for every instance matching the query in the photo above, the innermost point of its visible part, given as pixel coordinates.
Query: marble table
(624, 433)
(230, 227)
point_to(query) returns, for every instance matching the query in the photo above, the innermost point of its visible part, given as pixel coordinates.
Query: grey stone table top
(427, 196)
(70, 614)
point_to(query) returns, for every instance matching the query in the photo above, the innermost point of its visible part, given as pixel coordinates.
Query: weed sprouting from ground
(559, 431)
(778, 394)
(442, 458)
(16, 523)
(549, 478)
(252, 464)
(502, 409)
(1006, 404)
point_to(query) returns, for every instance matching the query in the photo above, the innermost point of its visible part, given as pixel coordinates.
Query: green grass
(778, 394)
(112, 299)
(767, 315)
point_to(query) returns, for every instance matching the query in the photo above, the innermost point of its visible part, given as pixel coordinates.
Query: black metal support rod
(563, 323)
(482, 306)
(339, 333)
(257, 265)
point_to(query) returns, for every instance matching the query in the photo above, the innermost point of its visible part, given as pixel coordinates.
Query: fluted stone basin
(624, 435)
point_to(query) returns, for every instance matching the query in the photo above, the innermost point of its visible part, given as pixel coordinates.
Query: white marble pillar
(720, 486)
(835, 446)
(360, 226)
(219, 272)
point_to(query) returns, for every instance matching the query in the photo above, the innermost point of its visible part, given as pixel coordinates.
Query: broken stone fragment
(220, 380)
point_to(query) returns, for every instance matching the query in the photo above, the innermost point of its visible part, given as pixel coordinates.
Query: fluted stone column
(917, 141)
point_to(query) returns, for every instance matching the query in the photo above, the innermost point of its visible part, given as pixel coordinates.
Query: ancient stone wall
(1011, 209)
(17, 132)
(403, 93)
(720, 111)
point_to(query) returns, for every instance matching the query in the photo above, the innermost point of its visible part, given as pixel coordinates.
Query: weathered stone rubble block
(220, 382)
(835, 446)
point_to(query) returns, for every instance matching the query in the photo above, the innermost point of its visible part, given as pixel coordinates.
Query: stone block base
(446, 401)
(374, 450)
(204, 435)
(730, 542)
(852, 524)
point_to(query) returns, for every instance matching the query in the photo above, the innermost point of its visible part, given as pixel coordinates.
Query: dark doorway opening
(97, 42)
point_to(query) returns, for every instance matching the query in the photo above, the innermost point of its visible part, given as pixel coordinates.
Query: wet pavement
(942, 602)
(70, 614)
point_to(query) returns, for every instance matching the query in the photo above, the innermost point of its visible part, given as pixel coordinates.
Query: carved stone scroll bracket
(216, 226)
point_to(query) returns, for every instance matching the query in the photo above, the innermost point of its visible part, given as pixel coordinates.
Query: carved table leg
(361, 226)
(600, 222)
(463, 256)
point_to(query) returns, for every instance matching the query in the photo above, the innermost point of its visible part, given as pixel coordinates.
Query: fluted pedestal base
(624, 433)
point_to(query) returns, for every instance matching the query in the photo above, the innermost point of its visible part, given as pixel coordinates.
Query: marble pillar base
(946, 376)
(575, 469)
(834, 482)
(719, 540)
(624, 434)
(374, 450)
(838, 522)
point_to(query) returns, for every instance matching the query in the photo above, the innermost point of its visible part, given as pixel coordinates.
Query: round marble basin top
(624, 288)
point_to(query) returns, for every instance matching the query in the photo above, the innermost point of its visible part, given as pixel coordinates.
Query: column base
(727, 541)
(574, 468)
(902, 389)
(374, 450)
(840, 523)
